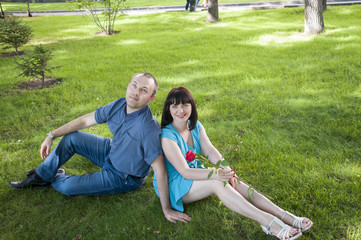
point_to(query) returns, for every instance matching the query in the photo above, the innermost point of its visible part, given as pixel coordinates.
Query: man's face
(139, 93)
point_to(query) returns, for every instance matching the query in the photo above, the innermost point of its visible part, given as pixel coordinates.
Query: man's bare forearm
(82, 122)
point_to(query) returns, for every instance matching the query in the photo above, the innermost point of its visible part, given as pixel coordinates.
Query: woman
(204, 4)
(183, 135)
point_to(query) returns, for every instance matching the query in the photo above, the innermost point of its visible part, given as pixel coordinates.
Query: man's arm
(163, 189)
(75, 125)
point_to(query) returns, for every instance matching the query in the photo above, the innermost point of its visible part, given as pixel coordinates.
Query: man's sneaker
(32, 171)
(33, 180)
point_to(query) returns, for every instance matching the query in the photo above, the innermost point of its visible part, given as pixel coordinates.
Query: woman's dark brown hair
(176, 96)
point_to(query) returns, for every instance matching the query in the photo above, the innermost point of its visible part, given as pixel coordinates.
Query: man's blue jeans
(96, 149)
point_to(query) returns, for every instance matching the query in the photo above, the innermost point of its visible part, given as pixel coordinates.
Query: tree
(14, 33)
(29, 13)
(313, 17)
(111, 9)
(35, 64)
(212, 11)
(2, 14)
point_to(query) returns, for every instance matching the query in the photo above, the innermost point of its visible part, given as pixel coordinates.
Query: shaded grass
(296, 97)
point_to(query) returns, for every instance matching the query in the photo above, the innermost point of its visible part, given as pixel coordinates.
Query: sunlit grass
(282, 107)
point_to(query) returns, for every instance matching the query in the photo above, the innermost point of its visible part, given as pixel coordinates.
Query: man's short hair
(148, 75)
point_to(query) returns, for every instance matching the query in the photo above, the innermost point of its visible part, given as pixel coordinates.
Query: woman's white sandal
(284, 234)
(298, 222)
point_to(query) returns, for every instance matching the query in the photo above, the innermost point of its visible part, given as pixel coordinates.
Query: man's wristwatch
(51, 135)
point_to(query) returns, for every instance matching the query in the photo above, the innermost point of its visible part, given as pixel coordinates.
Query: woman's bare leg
(263, 203)
(204, 4)
(232, 200)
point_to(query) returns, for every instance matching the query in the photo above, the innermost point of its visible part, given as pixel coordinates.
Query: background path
(222, 8)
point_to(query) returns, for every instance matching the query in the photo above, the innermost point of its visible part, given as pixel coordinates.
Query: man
(189, 2)
(125, 160)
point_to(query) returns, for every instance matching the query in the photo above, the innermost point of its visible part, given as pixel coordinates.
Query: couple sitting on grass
(126, 159)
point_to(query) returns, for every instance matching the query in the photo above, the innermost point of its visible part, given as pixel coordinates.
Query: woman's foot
(298, 222)
(281, 230)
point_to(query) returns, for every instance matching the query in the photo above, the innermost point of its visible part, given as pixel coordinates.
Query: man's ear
(151, 99)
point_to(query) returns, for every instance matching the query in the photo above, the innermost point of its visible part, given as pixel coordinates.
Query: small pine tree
(14, 33)
(35, 63)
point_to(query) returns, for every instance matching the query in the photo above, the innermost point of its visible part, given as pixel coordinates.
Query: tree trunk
(29, 13)
(42, 80)
(324, 5)
(212, 11)
(313, 17)
(192, 7)
(2, 14)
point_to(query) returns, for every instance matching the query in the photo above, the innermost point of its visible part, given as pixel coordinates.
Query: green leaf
(219, 163)
(225, 183)
(200, 157)
(210, 174)
(225, 163)
(250, 194)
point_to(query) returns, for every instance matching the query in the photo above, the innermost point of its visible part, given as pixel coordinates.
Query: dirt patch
(104, 33)
(37, 83)
(11, 54)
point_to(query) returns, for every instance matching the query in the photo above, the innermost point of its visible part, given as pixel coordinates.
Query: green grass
(296, 97)
(7, 6)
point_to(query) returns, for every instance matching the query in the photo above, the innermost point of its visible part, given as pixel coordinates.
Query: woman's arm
(175, 157)
(162, 182)
(208, 149)
(214, 155)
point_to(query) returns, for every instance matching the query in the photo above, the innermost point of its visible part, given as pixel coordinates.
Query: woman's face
(180, 112)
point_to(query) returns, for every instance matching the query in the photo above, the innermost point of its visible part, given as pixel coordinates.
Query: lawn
(282, 107)
(7, 6)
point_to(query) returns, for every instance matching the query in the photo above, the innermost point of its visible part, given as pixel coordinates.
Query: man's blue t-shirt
(136, 143)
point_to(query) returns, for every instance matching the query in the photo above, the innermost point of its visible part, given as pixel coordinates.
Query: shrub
(35, 64)
(14, 34)
(110, 10)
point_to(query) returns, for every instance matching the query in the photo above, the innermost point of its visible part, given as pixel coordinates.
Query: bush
(14, 34)
(110, 10)
(35, 64)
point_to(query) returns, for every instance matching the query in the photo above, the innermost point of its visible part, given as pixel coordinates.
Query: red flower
(190, 156)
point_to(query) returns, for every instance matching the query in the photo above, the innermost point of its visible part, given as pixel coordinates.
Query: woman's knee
(219, 187)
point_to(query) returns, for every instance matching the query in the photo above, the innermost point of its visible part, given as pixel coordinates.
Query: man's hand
(45, 147)
(174, 216)
(82, 122)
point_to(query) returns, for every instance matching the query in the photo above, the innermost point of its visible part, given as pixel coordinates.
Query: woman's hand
(222, 175)
(233, 180)
(174, 216)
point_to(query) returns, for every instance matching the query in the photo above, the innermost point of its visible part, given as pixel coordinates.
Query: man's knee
(64, 189)
(70, 137)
